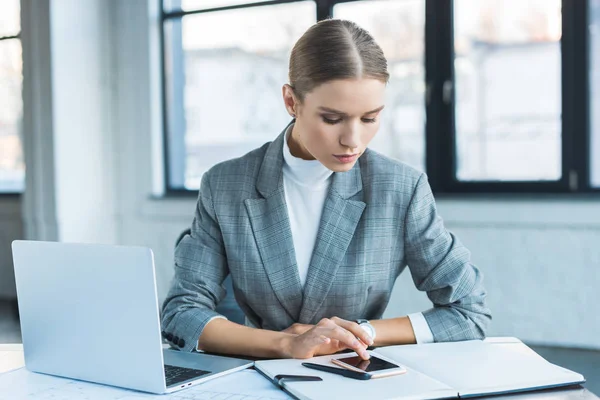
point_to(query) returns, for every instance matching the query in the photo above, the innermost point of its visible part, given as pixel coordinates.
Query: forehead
(352, 96)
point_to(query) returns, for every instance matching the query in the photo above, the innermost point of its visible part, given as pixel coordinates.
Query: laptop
(90, 312)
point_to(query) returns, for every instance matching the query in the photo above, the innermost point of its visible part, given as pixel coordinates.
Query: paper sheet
(243, 385)
(477, 368)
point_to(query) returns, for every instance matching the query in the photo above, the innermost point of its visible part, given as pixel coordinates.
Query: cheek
(322, 136)
(369, 133)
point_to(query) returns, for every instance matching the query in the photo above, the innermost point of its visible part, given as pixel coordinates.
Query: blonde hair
(334, 49)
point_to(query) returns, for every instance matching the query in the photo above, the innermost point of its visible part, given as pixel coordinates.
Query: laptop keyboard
(175, 375)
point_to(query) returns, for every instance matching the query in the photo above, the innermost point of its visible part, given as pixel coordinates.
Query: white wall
(67, 121)
(538, 255)
(11, 228)
(82, 101)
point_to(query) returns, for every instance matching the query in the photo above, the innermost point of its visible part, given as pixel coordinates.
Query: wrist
(368, 328)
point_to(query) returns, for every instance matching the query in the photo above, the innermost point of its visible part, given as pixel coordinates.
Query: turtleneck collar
(307, 173)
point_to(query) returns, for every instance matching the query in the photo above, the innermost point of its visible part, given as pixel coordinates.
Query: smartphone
(377, 365)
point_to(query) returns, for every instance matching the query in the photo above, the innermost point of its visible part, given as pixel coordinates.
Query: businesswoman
(314, 227)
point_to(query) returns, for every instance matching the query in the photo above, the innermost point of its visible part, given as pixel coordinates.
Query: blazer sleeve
(440, 265)
(200, 269)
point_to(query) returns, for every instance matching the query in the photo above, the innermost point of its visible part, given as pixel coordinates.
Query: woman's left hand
(334, 346)
(298, 329)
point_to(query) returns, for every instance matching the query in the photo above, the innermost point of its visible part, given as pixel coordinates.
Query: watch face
(369, 329)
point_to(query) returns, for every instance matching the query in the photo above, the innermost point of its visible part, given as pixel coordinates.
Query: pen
(363, 376)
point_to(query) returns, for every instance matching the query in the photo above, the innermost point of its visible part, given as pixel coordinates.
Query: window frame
(440, 127)
(11, 194)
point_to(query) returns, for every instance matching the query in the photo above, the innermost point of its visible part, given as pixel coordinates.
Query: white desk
(11, 357)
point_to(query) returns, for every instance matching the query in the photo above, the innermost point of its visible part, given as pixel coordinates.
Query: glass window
(224, 73)
(12, 167)
(508, 90)
(595, 92)
(192, 5)
(399, 28)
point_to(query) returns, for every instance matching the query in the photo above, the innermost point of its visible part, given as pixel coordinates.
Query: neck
(296, 147)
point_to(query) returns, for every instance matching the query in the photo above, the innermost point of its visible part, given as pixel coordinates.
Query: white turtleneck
(306, 183)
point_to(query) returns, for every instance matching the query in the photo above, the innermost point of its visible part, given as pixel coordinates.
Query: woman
(314, 227)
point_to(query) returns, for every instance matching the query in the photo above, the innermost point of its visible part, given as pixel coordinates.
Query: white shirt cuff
(421, 328)
(213, 318)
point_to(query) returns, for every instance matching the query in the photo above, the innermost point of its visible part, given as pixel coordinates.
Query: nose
(351, 136)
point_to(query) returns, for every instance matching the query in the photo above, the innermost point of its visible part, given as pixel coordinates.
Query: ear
(289, 99)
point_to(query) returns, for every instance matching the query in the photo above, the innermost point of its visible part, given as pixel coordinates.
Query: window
(507, 69)
(508, 104)
(221, 56)
(193, 5)
(12, 167)
(484, 95)
(224, 84)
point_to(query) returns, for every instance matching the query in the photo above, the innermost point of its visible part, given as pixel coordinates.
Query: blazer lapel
(338, 222)
(271, 228)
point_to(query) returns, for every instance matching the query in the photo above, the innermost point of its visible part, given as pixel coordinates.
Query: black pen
(363, 376)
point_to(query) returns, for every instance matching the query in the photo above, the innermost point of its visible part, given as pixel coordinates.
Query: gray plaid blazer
(378, 218)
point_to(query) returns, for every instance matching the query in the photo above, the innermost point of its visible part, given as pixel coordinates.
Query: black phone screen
(371, 365)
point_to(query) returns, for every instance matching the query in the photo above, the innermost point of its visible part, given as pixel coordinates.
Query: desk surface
(11, 357)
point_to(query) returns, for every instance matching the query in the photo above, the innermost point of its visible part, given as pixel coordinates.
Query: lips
(346, 158)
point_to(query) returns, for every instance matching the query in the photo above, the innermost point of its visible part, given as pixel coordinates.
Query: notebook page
(476, 367)
(411, 385)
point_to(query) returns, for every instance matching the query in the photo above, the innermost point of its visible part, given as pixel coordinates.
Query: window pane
(12, 167)
(10, 19)
(191, 5)
(224, 84)
(399, 28)
(508, 89)
(595, 91)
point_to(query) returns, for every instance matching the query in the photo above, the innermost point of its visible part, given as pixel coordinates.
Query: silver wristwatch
(367, 327)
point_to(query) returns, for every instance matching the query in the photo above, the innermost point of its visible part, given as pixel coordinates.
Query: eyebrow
(333, 111)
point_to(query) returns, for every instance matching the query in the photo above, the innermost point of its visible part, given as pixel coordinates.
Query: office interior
(111, 111)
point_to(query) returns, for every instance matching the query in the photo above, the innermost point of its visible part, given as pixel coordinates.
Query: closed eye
(331, 121)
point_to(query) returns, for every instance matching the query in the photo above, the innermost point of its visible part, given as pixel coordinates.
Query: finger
(339, 346)
(336, 346)
(315, 341)
(355, 329)
(348, 339)
(322, 339)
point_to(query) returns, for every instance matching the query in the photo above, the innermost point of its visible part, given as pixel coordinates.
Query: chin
(341, 167)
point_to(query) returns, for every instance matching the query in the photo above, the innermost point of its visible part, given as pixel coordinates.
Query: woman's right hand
(329, 336)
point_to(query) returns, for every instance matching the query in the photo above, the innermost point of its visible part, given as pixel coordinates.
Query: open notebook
(435, 371)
